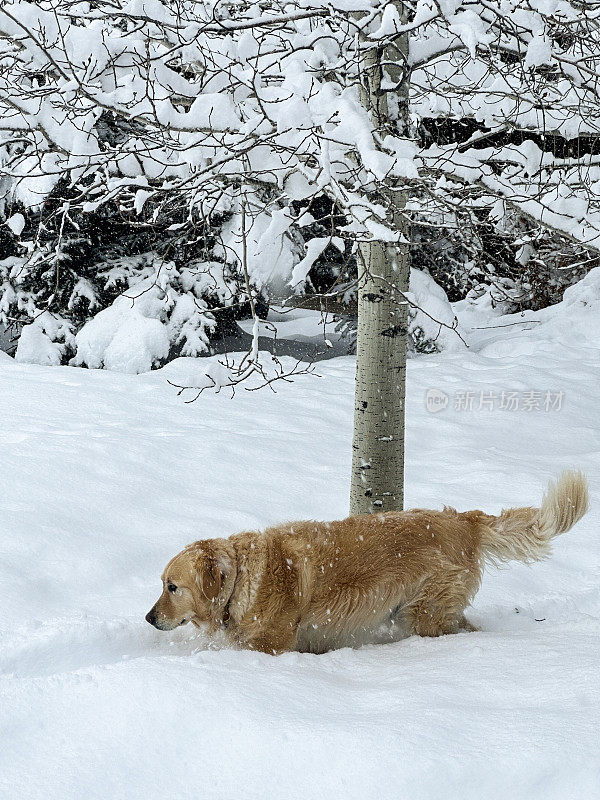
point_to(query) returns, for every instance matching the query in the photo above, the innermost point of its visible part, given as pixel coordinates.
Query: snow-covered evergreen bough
(160, 161)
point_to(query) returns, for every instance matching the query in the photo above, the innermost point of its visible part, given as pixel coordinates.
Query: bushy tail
(524, 534)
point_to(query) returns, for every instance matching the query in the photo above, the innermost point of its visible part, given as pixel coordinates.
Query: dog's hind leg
(439, 604)
(425, 620)
(465, 625)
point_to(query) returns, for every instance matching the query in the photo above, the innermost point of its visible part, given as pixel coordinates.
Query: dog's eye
(171, 587)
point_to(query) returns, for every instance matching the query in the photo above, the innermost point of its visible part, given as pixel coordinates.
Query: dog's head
(197, 585)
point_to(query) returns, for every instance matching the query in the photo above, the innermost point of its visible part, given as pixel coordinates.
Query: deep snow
(106, 476)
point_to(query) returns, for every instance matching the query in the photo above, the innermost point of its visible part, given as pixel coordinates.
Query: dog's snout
(151, 617)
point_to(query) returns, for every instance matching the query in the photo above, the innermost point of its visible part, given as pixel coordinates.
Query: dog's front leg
(276, 638)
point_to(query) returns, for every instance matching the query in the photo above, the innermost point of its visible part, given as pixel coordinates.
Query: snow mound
(271, 252)
(35, 347)
(577, 316)
(297, 324)
(572, 323)
(107, 476)
(43, 341)
(127, 336)
(433, 325)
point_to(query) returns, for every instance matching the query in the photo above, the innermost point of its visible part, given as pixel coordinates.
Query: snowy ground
(105, 476)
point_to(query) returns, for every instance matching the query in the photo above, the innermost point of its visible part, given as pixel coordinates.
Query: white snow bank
(298, 324)
(106, 476)
(577, 316)
(571, 324)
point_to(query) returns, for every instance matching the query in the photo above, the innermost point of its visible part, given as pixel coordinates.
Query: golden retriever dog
(315, 586)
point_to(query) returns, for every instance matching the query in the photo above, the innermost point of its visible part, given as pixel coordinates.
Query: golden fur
(314, 586)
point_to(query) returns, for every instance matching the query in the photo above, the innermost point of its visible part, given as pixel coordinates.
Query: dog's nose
(151, 618)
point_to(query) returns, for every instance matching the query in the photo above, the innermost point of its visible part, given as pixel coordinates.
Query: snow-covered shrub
(45, 341)
(87, 297)
(131, 335)
(519, 265)
(158, 311)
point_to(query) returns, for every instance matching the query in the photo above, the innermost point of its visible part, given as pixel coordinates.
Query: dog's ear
(211, 570)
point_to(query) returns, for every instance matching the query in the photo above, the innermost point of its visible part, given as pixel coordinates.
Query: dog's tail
(524, 534)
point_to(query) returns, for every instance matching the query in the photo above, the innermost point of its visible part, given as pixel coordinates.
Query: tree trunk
(384, 270)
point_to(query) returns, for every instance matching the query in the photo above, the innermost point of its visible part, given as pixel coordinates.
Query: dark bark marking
(395, 330)
(372, 297)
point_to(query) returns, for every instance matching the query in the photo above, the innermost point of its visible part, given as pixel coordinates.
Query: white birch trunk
(384, 269)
